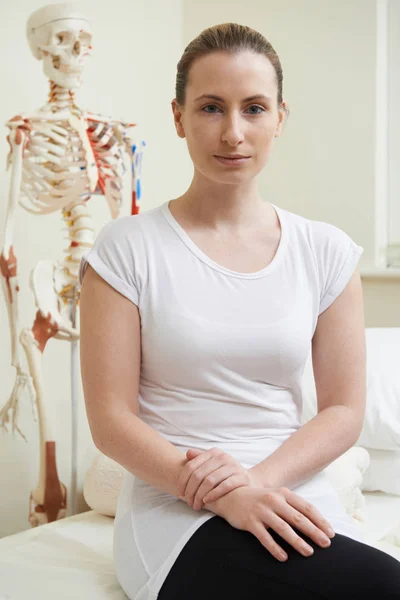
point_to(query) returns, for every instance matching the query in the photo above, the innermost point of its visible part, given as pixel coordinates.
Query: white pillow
(381, 429)
(346, 475)
(104, 480)
(102, 485)
(383, 473)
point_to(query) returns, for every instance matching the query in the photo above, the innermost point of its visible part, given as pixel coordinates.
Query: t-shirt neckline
(206, 259)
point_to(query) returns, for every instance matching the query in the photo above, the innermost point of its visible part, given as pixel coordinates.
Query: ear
(177, 112)
(281, 118)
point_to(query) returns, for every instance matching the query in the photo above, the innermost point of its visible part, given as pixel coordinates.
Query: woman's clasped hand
(251, 507)
(210, 474)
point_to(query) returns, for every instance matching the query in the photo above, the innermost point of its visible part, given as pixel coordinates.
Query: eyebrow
(256, 97)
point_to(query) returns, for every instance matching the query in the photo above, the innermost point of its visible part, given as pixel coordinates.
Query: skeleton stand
(74, 410)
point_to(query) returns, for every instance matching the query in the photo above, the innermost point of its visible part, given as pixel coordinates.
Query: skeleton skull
(62, 38)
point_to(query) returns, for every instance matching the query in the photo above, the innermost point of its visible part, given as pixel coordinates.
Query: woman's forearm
(142, 451)
(312, 448)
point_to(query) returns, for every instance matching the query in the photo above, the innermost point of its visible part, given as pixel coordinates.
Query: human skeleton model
(59, 156)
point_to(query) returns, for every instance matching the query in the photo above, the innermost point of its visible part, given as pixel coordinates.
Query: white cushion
(383, 473)
(102, 485)
(381, 429)
(346, 475)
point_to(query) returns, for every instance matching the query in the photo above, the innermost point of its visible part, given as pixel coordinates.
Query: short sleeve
(337, 258)
(112, 257)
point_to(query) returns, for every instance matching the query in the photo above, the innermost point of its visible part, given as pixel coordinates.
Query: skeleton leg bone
(53, 293)
(48, 499)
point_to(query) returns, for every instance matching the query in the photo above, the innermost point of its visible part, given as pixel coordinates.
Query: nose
(76, 50)
(232, 129)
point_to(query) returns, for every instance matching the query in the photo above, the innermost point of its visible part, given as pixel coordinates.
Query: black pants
(220, 562)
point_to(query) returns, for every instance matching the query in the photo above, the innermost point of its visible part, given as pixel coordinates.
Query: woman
(197, 318)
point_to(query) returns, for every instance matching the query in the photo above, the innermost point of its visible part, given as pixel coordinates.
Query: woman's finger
(233, 482)
(188, 470)
(266, 539)
(204, 472)
(311, 512)
(286, 532)
(304, 525)
(216, 479)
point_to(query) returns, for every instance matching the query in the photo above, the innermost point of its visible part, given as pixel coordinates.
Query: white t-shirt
(223, 354)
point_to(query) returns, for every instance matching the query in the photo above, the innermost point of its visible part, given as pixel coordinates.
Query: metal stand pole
(74, 411)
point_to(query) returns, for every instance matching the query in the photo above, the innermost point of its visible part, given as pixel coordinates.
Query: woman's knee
(385, 569)
(375, 573)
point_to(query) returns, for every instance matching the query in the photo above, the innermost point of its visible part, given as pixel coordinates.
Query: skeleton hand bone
(22, 380)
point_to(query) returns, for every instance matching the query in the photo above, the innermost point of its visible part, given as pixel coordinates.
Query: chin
(230, 178)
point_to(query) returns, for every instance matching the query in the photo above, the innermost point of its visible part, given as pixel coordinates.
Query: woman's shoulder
(318, 234)
(131, 225)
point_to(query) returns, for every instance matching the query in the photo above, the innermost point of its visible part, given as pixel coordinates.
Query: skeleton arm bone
(8, 264)
(113, 191)
(135, 153)
(16, 139)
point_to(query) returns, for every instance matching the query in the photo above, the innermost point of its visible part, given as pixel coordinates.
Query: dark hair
(226, 37)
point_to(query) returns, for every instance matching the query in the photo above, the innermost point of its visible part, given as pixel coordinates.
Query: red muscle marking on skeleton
(134, 208)
(53, 495)
(8, 268)
(102, 142)
(26, 127)
(55, 492)
(101, 183)
(26, 124)
(43, 329)
(74, 244)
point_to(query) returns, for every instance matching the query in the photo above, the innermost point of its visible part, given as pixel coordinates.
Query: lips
(233, 162)
(233, 157)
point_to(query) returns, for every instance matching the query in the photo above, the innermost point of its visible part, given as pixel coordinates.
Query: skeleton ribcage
(54, 168)
(56, 161)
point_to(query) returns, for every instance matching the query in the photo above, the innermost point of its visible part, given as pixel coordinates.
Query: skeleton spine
(80, 234)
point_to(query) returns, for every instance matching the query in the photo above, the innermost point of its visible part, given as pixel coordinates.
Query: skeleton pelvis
(53, 296)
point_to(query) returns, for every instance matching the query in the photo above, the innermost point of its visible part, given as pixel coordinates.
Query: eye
(63, 37)
(256, 106)
(208, 106)
(215, 106)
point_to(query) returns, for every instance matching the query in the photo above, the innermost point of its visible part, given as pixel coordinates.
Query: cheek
(265, 128)
(202, 131)
(266, 135)
(202, 140)
(197, 132)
